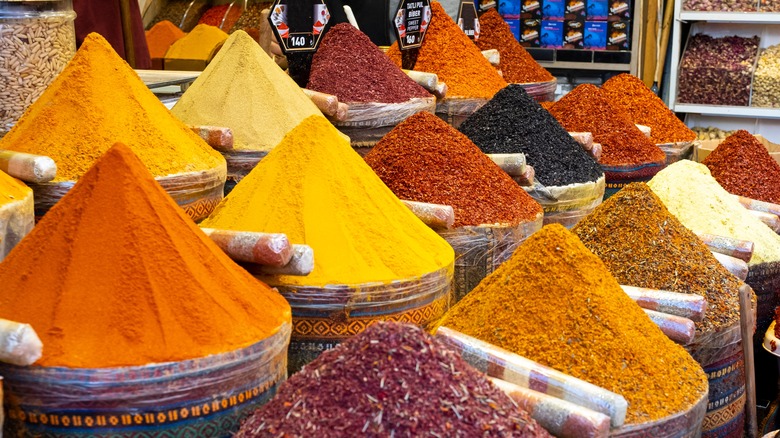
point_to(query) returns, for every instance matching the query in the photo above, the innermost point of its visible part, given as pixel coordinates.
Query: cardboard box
(509, 9)
(595, 35)
(575, 9)
(573, 34)
(551, 34)
(597, 10)
(619, 35)
(553, 9)
(531, 9)
(619, 10)
(530, 31)
(706, 147)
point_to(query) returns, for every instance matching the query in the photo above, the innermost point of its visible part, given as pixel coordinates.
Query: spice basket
(679, 151)
(541, 91)
(240, 163)
(480, 250)
(16, 220)
(200, 397)
(367, 123)
(566, 205)
(454, 110)
(685, 424)
(198, 193)
(325, 316)
(621, 176)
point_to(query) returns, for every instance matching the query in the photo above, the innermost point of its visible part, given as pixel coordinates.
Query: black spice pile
(349, 66)
(391, 380)
(513, 122)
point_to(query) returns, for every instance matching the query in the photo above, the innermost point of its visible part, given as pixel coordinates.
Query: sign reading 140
(299, 24)
(411, 22)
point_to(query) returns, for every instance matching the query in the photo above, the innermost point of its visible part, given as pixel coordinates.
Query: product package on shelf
(717, 71)
(16, 220)
(200, 397)
(720, 5)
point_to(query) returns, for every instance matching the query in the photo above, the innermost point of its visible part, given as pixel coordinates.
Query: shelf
(734, 111)
(732, 17)
(586, 65)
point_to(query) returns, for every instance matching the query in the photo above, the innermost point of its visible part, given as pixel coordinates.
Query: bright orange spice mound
(116, 274)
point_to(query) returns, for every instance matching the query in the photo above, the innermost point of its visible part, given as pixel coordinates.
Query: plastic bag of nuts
(724, 5)
(766, 83)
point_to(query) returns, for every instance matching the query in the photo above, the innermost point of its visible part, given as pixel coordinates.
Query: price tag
(411, 22)
(468, 20)
(298, 24)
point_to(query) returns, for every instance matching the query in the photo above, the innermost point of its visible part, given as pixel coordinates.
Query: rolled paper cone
(28, 167)
(301, 263)
(436, 216)
(740, 249)
(341, 113)
(770, 220)
(493, 56)
(756, 205)
(441, 90)
(502, 364)
(327, 103)
(251, 247)
(512, 164)
(689, 306)
(596, 151)
(561, 418)
(645, 130)
(678, 329)
(351, 17)
(734, 265)
(527, 178)
(424, 79)
(19, 344)
(585, 139)
(217, 137)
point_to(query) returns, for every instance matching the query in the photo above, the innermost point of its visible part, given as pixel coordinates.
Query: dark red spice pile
(586, 109)
(743, 166)
(215, 14)
(517, 65)
(392, 380)
(349, 66)
(424, 159)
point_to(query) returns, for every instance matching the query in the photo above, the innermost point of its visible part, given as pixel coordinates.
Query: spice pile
(112, 104)
(517, 65)
(717, 71)
(391, 380)
(556, 303)
(513, 122)
(160, 37)
(702, 205)
(643, 107)
(449, 53)
(315, 188)
(424, 159)
(586, 109)
(199, 44)
(643, 245)
(743, 166)
(349, 66)
(766, 80)
(173, 11)
(244, 90)
(116, 274)
(250, 19)
(11, 190)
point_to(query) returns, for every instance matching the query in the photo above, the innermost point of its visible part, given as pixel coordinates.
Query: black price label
(468, 21)
(411, 22)
(299, 24)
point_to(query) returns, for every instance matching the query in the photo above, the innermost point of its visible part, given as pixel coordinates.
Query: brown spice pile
(449, 53)
(517, 65)
(644, 245)
(743, 166)
(633, 97)
(556, 303)
(424, 159)
(586, 109)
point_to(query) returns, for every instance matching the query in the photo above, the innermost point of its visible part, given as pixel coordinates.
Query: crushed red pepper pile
(586, 109)
(517, 65)
(215, 14)
(632, 96)
(424, 159)
(391, 380)
(743, 166)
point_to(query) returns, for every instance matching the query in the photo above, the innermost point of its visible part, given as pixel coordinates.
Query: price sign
(298, 24)
(468, 20)
(411, 22)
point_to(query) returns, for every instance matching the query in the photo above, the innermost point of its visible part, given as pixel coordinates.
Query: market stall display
(159, 38)
(426, 160)
(766, 79)
(175, 313)
(112, 105)
(374, 259)
(244, 90)
(569, 289)
(349, 66)
(568, 182)
(448, 52)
